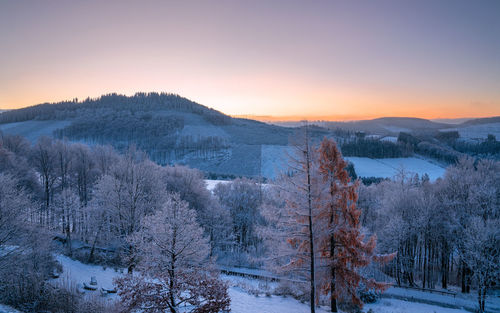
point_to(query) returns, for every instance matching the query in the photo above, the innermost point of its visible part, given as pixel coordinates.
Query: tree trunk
(310, 220)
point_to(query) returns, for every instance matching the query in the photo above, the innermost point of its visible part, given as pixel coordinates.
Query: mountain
(170, 128)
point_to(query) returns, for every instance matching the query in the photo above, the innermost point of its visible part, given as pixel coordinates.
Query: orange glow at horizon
(284, 60)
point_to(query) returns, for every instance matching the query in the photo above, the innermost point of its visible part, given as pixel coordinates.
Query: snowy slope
(8, 309)
(274, 160)
(33, 129)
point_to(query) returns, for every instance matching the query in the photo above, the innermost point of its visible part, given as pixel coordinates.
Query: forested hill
(170, 128)
(140, 102)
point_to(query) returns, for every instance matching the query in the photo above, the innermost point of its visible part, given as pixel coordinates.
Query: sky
(302, 59)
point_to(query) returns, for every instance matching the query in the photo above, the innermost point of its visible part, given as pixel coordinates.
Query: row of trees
(373, 148)
(445, 232)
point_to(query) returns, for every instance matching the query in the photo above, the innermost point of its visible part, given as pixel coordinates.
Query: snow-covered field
(241, 301)
(366, 167)
(275, 160)
(211, 183)
(390, 139)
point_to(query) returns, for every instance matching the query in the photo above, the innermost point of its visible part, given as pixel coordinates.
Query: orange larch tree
(342, 245)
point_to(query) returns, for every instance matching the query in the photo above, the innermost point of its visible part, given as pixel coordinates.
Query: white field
(389, 138)
(275, 160)
(211, 183)
(388, 168)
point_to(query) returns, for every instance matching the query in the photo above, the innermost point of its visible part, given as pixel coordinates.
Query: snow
(211, 183)
(243, 302)
(390, 139)
(400, 306)
(463, 300)
(477, 131)
(33, 129)
(274, 160)
(77, 273)
(8, 309)
(388, 168)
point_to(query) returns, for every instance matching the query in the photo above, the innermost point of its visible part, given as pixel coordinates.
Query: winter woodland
(325, 238)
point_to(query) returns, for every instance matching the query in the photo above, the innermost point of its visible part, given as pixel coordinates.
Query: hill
(480, 121)
(170, 128)
(388, 125)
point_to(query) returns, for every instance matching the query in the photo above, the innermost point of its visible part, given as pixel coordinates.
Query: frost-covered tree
(14, 204)
(175, 269)
(480, 250)
(477, 220)
(130, 190)
(67, 206)
(297, 219)
(44, 161)
(242, 198)
(190, 185)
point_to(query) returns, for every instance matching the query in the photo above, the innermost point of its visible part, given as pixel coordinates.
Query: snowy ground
(390, 139)
(75, 273)
(211, 183)
(7, 309)
(399, 306)
(275, 160)
(387, 168)
(241, 301)
(467, 301)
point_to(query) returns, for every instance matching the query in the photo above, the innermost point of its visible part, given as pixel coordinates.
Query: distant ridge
(484, 120)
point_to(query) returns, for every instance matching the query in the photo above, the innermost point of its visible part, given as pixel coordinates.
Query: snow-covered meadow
(242, 301)
(275, 159)
(388, 168)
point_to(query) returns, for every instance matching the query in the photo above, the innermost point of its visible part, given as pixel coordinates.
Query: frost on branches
(175, 273)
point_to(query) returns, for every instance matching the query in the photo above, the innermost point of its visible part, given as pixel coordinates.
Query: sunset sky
(331, 59)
